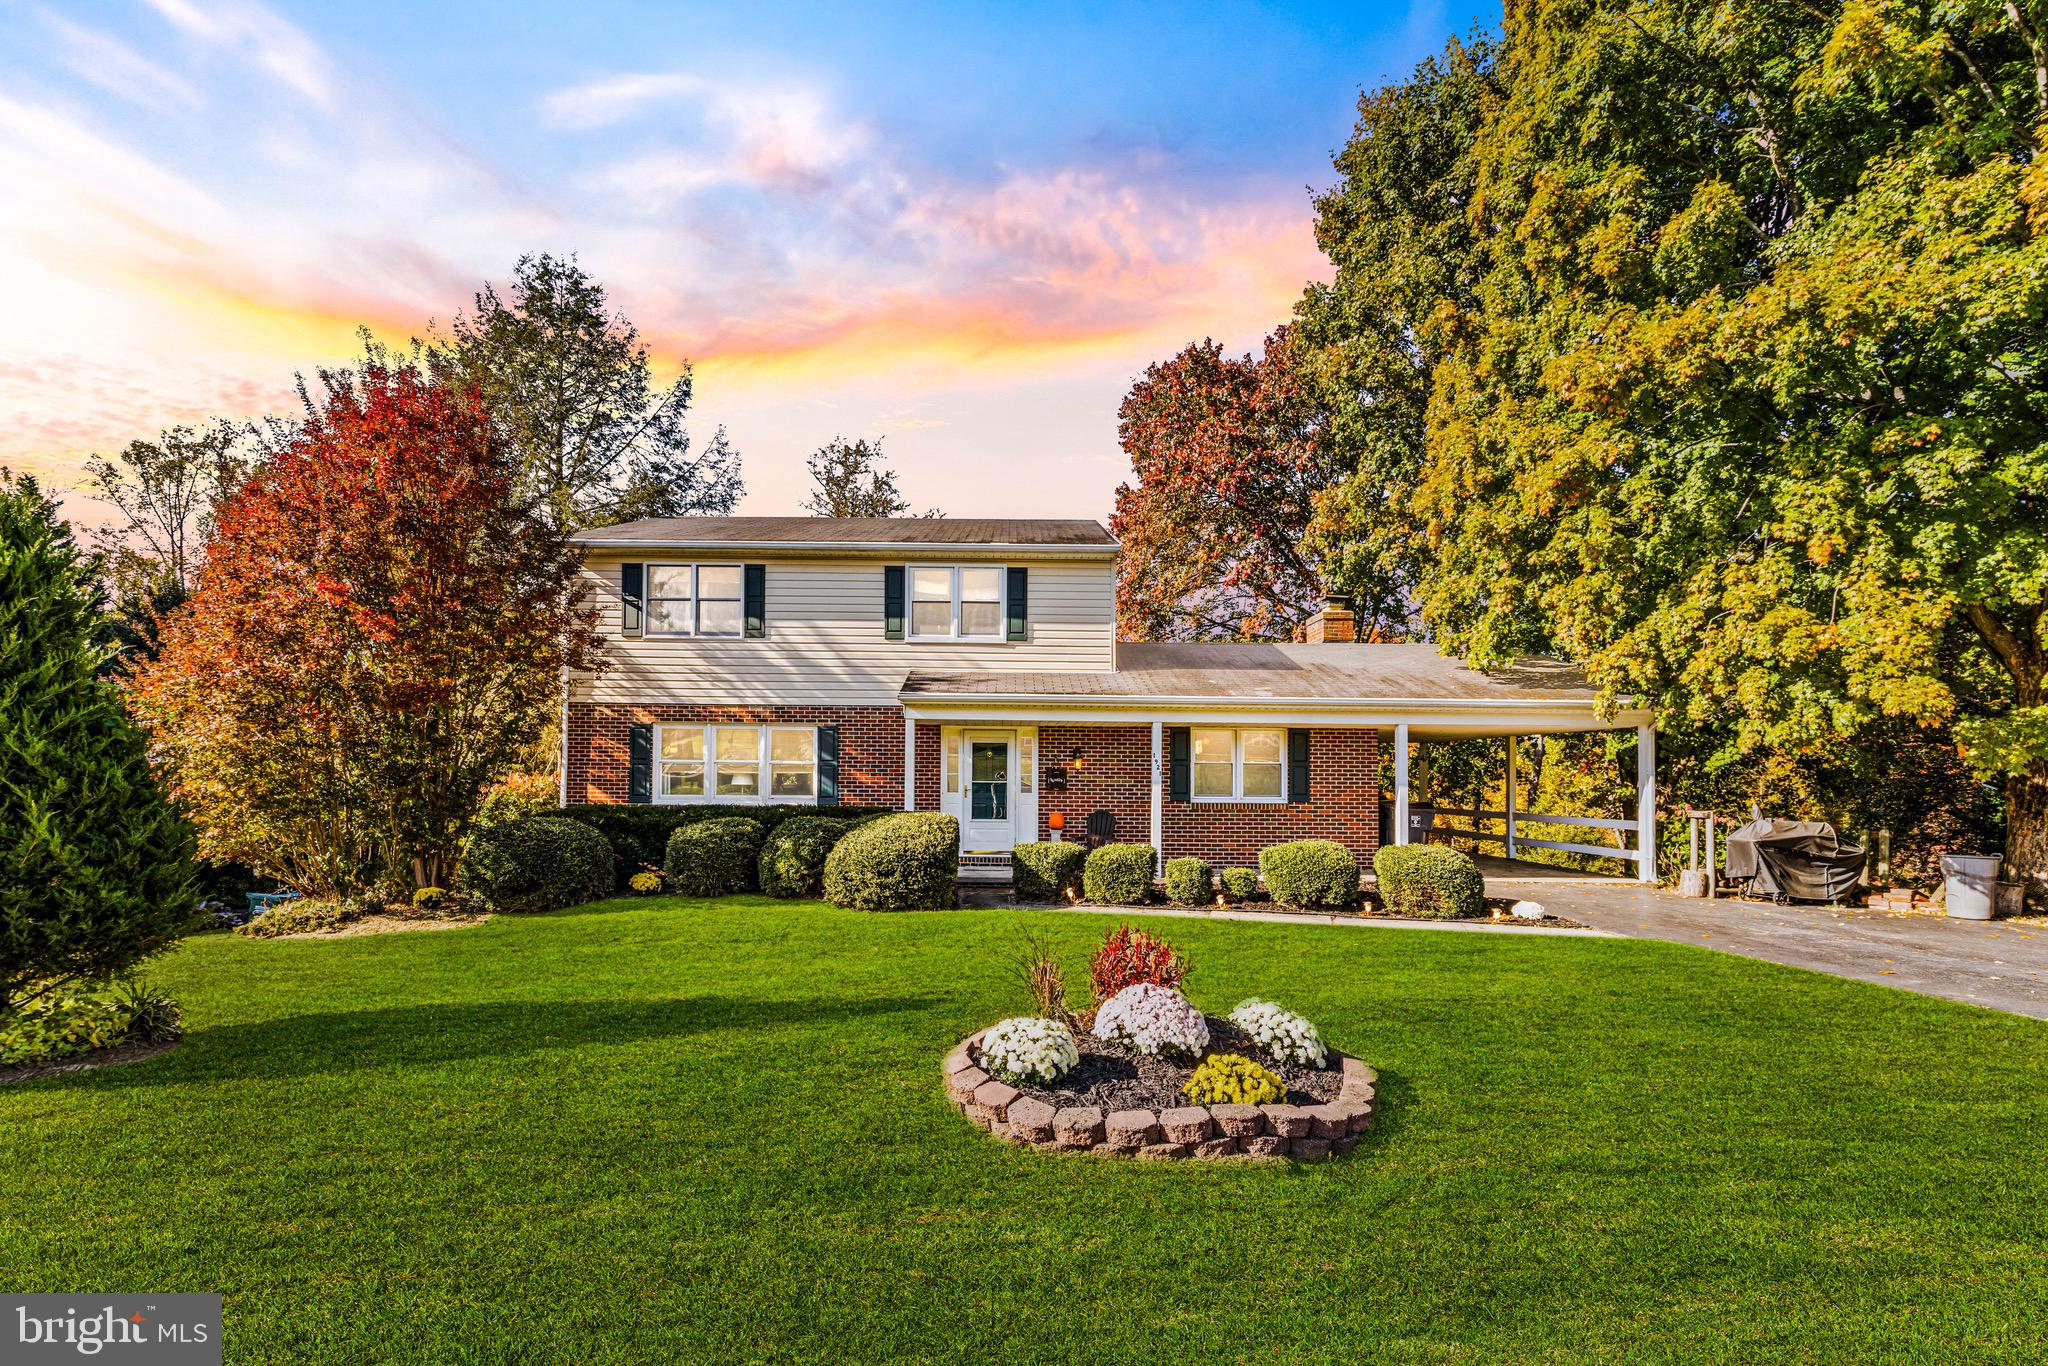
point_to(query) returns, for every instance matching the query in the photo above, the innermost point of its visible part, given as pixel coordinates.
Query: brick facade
(1113, 773)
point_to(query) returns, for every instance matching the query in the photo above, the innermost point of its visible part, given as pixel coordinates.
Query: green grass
(663, 1130)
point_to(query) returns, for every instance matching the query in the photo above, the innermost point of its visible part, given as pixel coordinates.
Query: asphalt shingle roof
(877, 531)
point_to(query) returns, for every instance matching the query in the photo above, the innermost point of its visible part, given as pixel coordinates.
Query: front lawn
(668, 1130)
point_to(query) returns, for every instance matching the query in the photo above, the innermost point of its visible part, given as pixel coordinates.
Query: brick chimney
(1335, 624)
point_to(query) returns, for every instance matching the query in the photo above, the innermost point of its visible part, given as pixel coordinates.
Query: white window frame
(953, 632)
(1237, 796)
(764, 766)
(696, 601)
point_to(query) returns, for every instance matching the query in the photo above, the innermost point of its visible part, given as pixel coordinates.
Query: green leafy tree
(166, 493)
(570, 389)
(849, 480)
(95, 868)
(1734, 372)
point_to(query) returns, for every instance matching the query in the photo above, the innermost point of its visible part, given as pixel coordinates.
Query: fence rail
(1512, 839)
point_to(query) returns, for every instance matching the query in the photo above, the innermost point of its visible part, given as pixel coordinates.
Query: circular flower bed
(1126, 1092)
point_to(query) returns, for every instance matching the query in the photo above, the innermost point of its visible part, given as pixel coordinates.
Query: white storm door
(989, 796)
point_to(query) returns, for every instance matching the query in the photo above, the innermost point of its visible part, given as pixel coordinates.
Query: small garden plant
(1152, 1021)
(792, 859)
(646, 882)
(1049, 870)
(1130, 956)
(1310, 873)
(1239, 884)
(1231, 1079)
(1283, 1034)
(1189, 882)
(53, 1025)
(1119, 875)
(1431, 881)
(714, 858)
(1029, 1049)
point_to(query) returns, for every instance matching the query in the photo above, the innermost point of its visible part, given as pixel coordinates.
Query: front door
(991, 771)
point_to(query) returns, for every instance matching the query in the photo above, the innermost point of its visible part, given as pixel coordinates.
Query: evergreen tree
(95, 867)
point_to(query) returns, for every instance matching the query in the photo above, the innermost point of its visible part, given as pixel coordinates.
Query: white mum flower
(1029, 1049)
(1151, 1020)
(1282, 1033)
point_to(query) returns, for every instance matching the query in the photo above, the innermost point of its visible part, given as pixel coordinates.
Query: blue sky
(962, 228)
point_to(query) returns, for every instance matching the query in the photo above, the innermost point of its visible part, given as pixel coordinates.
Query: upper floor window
(1240, 765)
(694, 600)
(956, 602)
(738, 763)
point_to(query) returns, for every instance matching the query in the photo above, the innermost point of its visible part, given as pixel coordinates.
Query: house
(972, 666)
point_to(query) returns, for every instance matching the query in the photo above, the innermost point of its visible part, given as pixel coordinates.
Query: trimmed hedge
(1433, 881)
(1189, 882)
(541, 863)
(792, 862)
(1310, 873)
(1047, 870)
(714, 858)
(1119, 874)
(639, 834)
(1239, 884)
(905, 862)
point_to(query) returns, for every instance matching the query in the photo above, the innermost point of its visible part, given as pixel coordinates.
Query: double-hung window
(1239, 765)
(738, 764)
(694, 600)
(956, 602)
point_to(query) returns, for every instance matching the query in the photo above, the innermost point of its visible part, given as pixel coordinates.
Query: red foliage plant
(1129, 956)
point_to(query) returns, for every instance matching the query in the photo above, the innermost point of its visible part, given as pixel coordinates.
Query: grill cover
(1802, 860)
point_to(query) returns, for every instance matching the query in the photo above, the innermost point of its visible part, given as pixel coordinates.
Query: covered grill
(1796, 860)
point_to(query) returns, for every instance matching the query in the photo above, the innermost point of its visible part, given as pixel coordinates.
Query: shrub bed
(714, 858)
(1047, 870)
(1119, 874)
(904, 862)
(1431, 881)
(792, 861)
(1189, 882)
(69, 1021)
(639, 834)
(542, 863)
(1310, 873)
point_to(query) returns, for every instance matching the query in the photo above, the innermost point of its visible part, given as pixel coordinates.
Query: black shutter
(1020, 604)
(640, 765)
(828, 765)
(633, 598)
(756, 576)
(892, 602)
(1180, 784)
(1297, 765)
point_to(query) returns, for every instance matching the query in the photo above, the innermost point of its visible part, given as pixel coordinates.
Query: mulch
(1116, 1080)
(117, 1056)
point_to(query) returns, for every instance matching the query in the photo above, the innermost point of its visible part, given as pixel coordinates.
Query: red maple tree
(1229, 456)
(378, 635)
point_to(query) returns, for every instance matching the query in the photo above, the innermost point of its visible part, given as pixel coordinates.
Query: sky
(962, 228)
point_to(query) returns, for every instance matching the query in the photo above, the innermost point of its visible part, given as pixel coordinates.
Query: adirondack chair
(1101, 828)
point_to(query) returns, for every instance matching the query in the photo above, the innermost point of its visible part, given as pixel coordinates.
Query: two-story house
(972, 666)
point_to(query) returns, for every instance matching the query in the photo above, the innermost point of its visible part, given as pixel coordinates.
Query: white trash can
(1970, 879)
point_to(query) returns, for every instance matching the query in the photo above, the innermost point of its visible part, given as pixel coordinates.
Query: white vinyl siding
(826, 645)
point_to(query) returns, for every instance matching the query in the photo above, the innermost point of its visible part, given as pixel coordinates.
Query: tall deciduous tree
(568, 382)
(377, 637)
(167, 492)
(849, 480)
(1230, 455)
(1735, 387)
(95, 867)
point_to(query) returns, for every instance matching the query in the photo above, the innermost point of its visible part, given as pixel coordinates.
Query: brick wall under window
(1114, 774)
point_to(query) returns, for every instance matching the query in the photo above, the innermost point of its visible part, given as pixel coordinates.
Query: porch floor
(1513, 872)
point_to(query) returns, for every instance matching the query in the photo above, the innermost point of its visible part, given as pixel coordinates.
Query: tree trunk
(2026, 831)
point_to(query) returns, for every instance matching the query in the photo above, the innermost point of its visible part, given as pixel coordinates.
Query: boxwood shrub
(905, 862)
(639, 834)
(792, 861)
(1310, 873)
(1189, 882)
(1433, 881)
(1047, 870)
(1119, 874)
(541, 863)
(1239, 884)
(714, 858)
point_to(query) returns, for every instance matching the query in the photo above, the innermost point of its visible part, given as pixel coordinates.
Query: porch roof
(1362, 684)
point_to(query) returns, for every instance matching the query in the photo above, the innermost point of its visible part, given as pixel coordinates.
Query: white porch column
(909, 763)
(1646, 803)
(1401, 783)
(1510, 807)
(1158, 799)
